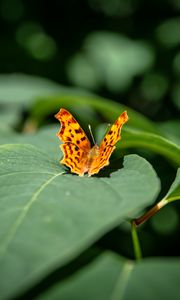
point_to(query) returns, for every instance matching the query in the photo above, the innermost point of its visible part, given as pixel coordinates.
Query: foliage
(66, 237)
(50, 217)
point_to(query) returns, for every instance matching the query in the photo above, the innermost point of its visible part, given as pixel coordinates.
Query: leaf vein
(13, 173)
(122, 282)
(14, 228)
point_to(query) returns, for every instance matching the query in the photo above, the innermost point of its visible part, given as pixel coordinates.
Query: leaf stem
(144, 218)
(150, 212)
(135, 240)
(171, 199)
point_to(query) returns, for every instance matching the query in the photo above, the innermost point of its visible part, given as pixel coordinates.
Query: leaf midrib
(122, 281)
(24, 172)
(14, 228)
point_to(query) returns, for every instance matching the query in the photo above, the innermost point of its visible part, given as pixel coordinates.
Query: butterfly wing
(74, 158)
(76, 145)
(71, 131)
(108, 145)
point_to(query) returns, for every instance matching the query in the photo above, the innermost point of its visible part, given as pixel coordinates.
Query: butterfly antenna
(89, 126)
(108, 125)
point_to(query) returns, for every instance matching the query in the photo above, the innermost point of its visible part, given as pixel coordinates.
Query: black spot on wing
(73, 120)
(78, 130)
(72, 163)
(62, 129)
(71, 151)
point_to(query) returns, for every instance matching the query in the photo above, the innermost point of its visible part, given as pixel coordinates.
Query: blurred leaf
(37, 43)
(153, 142)
(176, 64)
(19, 91)
(153, 87)
(171, 129)
(49, 217)
(16, 11)
(9, 118)
(120, 61)
(112, 278)
(166, 221)
(82, 73)
(168, 32)
(176, 95)
(23, 89)
(114, 7)
(174, 191)
(108, 109)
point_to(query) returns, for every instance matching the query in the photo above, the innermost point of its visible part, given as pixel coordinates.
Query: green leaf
(121, 60)
(156, 143)
(45, 139)
(170, 129)
(9, 118)
(49, 217)
(110, 277)
(174, 191)
(108, 109)
(22, 89)
(19, 92)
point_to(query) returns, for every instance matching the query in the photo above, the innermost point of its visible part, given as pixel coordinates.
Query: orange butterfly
(79, 156)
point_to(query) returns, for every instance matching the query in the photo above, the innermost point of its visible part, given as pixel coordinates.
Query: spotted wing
(108, 145)
(74, 158)
(71, 131)
(76, 145)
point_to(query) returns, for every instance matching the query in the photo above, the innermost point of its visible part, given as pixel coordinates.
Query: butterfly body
(93, 153)
(79, 156)
(92, 156)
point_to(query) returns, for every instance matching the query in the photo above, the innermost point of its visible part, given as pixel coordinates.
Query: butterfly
(79, 156)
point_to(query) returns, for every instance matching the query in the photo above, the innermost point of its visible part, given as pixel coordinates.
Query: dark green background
(45, 37)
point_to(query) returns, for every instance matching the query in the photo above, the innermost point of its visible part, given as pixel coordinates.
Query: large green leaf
(109, 109)
(49, 217)
(112, 278)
